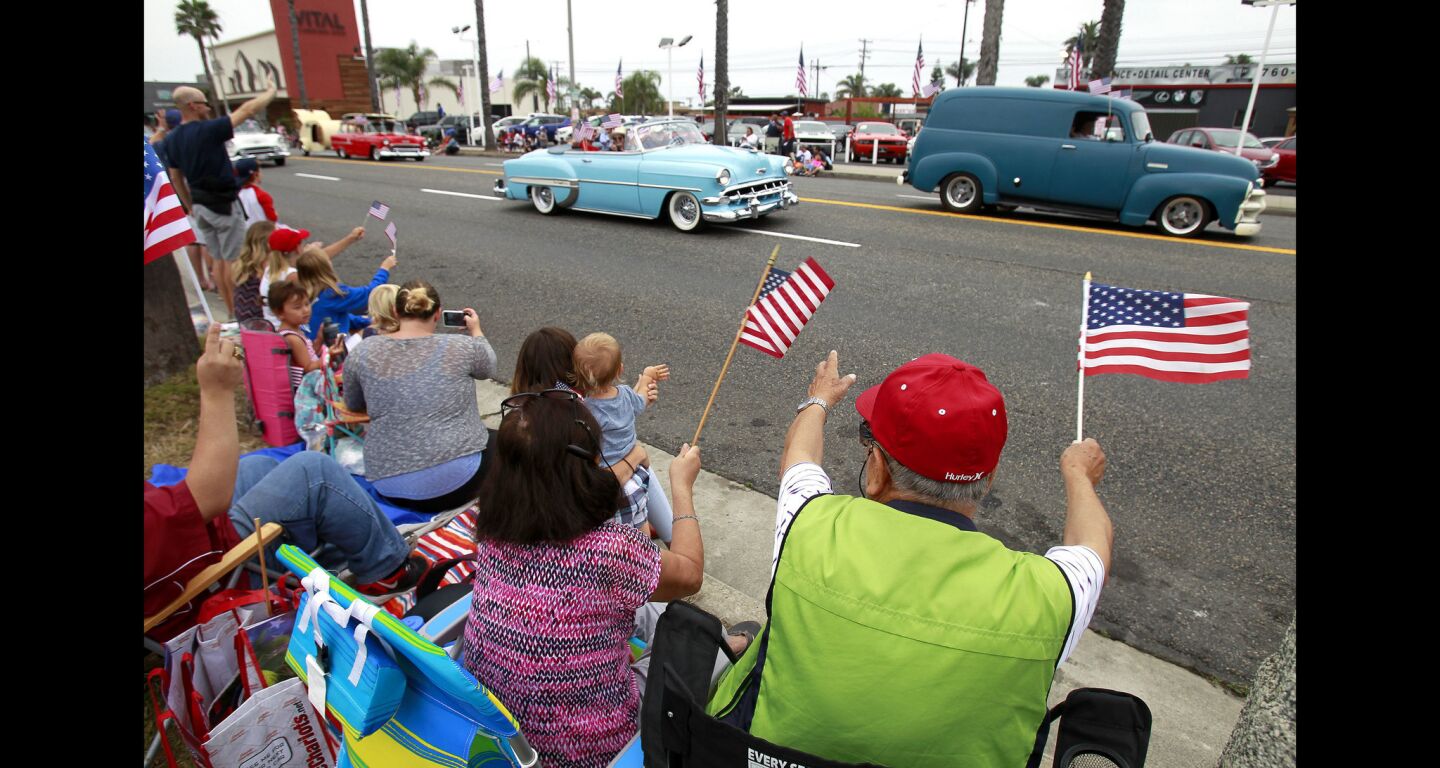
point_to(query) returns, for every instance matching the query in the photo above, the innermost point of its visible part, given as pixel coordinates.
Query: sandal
(746, 629)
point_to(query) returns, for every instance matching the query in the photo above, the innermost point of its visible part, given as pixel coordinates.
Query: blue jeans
(317, 502)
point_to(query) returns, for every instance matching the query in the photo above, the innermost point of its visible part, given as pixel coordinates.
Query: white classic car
(255, 140)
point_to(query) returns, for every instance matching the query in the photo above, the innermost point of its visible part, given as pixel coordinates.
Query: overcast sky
(765, 42)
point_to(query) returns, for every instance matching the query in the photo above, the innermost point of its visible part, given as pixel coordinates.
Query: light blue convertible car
(666, 168)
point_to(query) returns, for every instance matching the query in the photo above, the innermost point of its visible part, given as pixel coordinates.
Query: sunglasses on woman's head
(519, 401)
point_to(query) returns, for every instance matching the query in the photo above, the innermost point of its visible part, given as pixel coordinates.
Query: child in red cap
(285, 246)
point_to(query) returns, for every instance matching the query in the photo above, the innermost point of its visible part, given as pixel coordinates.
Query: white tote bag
(275, 728)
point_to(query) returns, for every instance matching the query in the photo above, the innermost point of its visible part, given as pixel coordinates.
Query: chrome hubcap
(685, 209)
(545, 197)
(961, 192)
(1183, 215)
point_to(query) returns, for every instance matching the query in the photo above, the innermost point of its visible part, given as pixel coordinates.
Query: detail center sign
(1204, 75)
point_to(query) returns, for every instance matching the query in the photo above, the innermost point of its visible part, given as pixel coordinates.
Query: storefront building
(1214, 96)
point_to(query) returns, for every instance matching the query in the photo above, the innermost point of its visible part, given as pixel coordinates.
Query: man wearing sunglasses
(202, 175)
(894, 601)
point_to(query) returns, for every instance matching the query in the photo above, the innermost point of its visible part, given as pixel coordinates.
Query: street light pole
(475, 53)
(669, 44)
(1259, 69)
(964, 27)
(571, 91)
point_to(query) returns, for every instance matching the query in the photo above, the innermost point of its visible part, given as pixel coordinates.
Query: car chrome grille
(757, 190)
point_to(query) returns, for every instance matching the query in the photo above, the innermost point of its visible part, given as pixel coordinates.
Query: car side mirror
(1114, 134)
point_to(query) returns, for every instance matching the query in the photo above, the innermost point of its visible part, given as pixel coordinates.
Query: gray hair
(907, 480)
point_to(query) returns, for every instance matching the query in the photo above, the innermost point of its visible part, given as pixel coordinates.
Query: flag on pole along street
(1077, 57)
(390, 233)
(787, 301)
(619, 80)
(929, 90)
(612, 121)
(800, 74)
(550, 85)
(497, 83)
(379, 210)
(460, 91)
(1193, 338)
(166, 228)
(700, 78)
(919, 65)
(1099, 87)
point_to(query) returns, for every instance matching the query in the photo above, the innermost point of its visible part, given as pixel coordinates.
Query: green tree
(530, 79)
(989, 64)
(642, 94)
(405, 68)
(736, 92)
(853, 86)
(1037, 80)
(1089, 33)
(198, 20)
(953, 69)
(588, 97)
(1109, 41)
(937, 78)
(887, 89)
(1243, 58)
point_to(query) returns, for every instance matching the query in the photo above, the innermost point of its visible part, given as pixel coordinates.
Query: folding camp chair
(443, 716)
(267, 382)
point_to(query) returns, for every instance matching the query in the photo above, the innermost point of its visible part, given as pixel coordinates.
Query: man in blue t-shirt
(200, 170)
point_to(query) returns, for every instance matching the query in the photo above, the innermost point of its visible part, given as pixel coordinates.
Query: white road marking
(313, 176)
(460, 194)
(931, 198)
(496, 165)
(799, 237)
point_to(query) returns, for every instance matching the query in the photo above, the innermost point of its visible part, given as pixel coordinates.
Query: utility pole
(864, 54)
(555, 71)
(573, 91)
(534, 97)
(370, 58)
(964, 27)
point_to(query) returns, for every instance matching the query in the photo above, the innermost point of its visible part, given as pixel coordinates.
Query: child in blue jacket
(329, 298)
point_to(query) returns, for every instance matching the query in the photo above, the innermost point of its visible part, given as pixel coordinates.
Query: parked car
(839, 131)
(1224, 140)
(910, 126)
(252, 139)
(505, 123)
(1285, 169)
(1046, 149)
(423, 118)
(461, 124)
(1271, 141)
(813, 132)
(534, 124)
(891, 142)
(664, 169)
(378, 137)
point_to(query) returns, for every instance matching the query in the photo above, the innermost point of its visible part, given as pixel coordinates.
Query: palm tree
(1090, 34)
(1243, 58)
(722, 69)
(853, 86)
(642, 94)
(589, 96)
(953, 70)
(736, 92)
(937, 78)
(295, 50)
(484, 74)
(1037, 80)
(887, 89)
(405, 67)
(197, 19)
(989, 64)
(1109, 41)
(530, 79)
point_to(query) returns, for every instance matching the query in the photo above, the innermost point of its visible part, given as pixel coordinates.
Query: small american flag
(166, 227)
(1122, 93)
(800, 73)
(379, 210)
(929, 90)
(498, 82)
(584, 131)
(390, 233)
(1099, 87)
(550, 86)
(787, 301)
(619, 81)
(612, 122)
(460, 91)
(919, 65)
(1192, 338)
(700, 78)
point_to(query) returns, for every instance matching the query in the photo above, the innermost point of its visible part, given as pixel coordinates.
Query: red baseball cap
(939, 417)
(287, 239)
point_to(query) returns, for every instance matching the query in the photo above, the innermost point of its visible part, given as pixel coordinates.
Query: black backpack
(1099, 728)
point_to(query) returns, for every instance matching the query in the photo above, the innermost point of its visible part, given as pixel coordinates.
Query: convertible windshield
(1227, 138)
(250, 126)
(876, 128)
(656, 135)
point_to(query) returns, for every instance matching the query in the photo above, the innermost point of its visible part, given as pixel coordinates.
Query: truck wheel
(1183, 216)
(684, 210)
(544, 199)
(375, 154)
(961, 193)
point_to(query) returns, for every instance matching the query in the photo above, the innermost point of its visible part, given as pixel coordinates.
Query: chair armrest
(203, 580)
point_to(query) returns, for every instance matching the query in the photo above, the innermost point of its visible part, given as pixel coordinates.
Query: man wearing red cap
(898, 633)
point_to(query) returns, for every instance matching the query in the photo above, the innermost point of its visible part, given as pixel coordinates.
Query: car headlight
(386, 142)
(1273, 161)
(723, 177)
(789, 167)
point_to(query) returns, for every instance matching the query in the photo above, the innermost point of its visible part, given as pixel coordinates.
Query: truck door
(1090, 171)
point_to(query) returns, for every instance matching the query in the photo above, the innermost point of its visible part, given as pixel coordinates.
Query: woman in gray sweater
(424, 448)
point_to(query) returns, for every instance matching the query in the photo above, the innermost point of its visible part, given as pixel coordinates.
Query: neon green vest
(901, 640)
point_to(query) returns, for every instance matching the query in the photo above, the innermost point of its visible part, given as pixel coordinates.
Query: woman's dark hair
(417, 300)
(547, 356)
(538, 490)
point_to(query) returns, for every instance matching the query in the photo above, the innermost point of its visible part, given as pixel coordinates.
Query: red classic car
(377, 137)
(1224, 140)
(1285, 169)
(891, 140)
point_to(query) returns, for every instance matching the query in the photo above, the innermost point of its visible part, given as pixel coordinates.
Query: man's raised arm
(254, 106)
(806, 439)
(1086, 521)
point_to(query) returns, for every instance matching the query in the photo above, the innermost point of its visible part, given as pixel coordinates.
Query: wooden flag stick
(264, 574)
(1080, 397)
(696, 440)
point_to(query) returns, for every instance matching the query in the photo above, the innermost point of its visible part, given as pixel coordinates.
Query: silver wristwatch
(809, 401)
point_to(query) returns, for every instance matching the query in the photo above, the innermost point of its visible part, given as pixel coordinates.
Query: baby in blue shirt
(598, 367)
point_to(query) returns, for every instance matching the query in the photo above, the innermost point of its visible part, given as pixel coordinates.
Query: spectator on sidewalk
(773, 132)
(751, 141)
(199, 255)
(190, 525)
(285, 246)
(332, 300)
(979, 627)
(204, 179)
(249, 271)
(256, 203)
(787, 134)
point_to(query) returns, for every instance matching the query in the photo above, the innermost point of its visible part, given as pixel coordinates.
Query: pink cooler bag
(267, 380)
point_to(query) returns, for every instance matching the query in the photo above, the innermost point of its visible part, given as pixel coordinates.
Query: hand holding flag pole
(695, 441)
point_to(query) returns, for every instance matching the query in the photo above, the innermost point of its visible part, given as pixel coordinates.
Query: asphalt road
(1201, 479)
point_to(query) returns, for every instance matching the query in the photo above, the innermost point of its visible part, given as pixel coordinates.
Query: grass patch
(172, 416)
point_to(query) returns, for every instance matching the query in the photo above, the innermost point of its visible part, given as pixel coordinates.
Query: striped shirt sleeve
(800, 483)
(1086, 574)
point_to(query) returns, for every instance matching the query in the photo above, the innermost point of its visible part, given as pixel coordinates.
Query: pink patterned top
(547, 634)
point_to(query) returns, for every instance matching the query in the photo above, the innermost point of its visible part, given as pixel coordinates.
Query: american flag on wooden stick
(787, 301)
(1192, 338)
(390, 233)
(379, 210)
(166, 227)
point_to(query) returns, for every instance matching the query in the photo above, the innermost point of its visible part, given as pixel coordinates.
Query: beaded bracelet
(686, 517)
